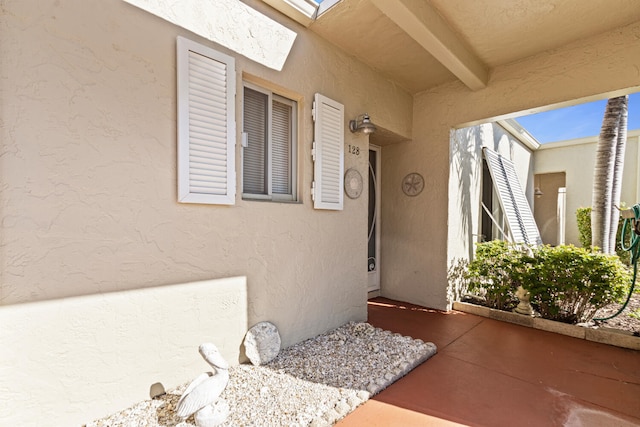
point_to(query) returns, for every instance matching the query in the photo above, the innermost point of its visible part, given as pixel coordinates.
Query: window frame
(293, 104)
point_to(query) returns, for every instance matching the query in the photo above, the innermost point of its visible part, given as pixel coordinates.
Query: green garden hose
(633, 248)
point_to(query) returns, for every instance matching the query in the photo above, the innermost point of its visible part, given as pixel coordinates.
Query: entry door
(373, 261)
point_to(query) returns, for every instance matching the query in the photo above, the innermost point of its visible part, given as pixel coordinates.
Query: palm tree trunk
(621, 143)
(608, 174)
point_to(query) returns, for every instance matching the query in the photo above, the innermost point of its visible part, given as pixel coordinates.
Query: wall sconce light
(363, 124)
(537, 191)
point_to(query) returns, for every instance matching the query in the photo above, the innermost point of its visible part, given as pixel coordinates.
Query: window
(269, 155)
(206, 125)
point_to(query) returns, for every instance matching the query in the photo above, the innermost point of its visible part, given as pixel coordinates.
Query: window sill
(252, 198)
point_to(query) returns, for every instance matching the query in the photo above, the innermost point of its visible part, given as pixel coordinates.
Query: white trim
(325, 6)
(514, 128)
(301, 11)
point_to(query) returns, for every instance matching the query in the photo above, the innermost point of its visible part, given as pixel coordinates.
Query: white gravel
(313, 383)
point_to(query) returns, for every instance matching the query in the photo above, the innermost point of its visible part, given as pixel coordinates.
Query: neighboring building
(557, 179)
(570, 165)
(111, 273)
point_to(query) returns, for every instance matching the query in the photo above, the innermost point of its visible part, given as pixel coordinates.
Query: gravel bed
(313, 383)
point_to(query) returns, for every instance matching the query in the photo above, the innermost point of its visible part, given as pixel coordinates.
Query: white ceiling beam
(423, 23)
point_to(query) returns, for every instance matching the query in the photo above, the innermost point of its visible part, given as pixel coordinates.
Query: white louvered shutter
(512, 199)
(328, 153)
(206, 125)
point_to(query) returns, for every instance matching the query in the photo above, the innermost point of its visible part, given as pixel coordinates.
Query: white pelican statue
(202, 394)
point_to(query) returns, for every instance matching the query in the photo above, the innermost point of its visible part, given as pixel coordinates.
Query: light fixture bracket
(363, 124)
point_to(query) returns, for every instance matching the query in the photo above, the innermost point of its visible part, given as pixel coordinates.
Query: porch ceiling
(421, 44)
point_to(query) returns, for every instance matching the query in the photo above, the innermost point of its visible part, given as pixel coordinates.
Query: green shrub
(583, 216)
(570, 284)
(493, 273)
(566, 283)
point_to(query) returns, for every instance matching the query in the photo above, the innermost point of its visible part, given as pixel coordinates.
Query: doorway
(373, 259)
(549, 206)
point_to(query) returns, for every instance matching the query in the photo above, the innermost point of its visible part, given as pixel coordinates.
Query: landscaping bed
(569, 288)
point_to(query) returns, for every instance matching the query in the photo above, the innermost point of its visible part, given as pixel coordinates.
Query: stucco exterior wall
(88, 173)
(68, 361)
(577, 159)
(415, 246)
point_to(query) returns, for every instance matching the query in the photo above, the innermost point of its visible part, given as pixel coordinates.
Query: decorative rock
(262, 343)
(156, 390)
(362, 395)
(319, 422)
(342, 408)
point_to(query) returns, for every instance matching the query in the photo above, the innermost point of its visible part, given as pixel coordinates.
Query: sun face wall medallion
(353, 183)
(413, 184)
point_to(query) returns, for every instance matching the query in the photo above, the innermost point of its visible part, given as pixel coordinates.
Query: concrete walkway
(492, 373)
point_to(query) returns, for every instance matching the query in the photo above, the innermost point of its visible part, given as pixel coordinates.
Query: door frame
(373, 281)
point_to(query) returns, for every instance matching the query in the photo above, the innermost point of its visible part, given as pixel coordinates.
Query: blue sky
(575, 122)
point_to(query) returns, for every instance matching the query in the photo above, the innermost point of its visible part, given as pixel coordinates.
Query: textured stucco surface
(69, 361)
(88, 200)
(415, 247)
(577, 159)
(229, 23)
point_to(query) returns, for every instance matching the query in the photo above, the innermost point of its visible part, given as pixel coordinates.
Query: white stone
(262, 343)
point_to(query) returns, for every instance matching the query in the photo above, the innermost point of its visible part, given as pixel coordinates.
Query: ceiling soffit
(423, 24)
(420, 44)
(363, 31)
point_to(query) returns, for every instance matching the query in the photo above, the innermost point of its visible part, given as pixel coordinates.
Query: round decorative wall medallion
(352, 183)
(413, 184)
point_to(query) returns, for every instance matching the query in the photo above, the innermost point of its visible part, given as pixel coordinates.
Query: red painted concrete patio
(491, 373)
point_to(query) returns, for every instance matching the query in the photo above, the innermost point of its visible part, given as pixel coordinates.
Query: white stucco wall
(415, 246)
(88, 200)
(577, 159)
(465, 178)
(68, 361)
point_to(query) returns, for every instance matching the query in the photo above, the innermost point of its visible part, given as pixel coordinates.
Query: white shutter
(206, 125)
(254, 154)
(328, 152)
(512, 199)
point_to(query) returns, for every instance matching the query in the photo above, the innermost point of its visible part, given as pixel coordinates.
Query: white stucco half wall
(70, 361)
